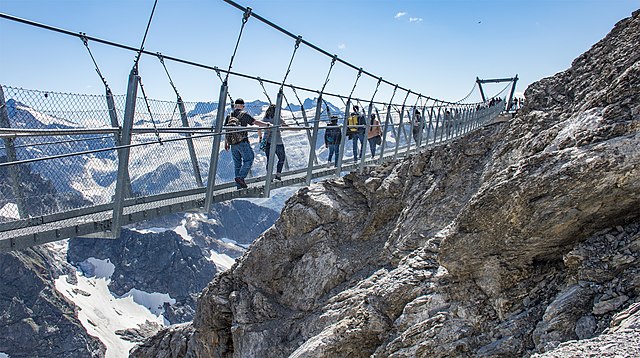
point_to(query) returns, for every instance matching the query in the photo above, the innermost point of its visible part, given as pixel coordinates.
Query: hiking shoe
(241, 182)
(278, 177)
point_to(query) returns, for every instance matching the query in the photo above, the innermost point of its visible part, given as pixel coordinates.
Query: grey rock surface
(507, 242)
(36, 320)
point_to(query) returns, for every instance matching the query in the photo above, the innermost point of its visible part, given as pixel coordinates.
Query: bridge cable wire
(85, 41)
(144, 38)
(161, 58)
(146, 101)
(468, 94)
(293, 55)
(264, 90)
(245, 18)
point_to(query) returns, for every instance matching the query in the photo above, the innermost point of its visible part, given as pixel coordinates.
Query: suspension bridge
(75, 165)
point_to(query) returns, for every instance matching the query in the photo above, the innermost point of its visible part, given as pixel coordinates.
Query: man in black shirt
(239, 143)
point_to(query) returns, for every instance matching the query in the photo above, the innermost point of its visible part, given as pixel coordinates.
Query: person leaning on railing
(241, 152)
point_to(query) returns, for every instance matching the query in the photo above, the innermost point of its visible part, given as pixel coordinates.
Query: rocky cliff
(34, 315)
(520, 236)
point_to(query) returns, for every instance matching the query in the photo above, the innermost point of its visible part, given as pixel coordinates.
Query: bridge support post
(314, 139)
(123, 153)
(113, 115)
(384, 132)
(16, 186)
(365, 142)
(430, 125)
(513, 89)
(215, 148)
(275, 137)
(190, 146)
(306, 124)
(343, 139)
(421, 132)
(400, 127)
(438, 125)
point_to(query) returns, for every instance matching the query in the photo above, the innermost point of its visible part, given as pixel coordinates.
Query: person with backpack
(417, 125)
(375, 135)
(356, 129)
(332, 139)
(237, 140)
(270, 133)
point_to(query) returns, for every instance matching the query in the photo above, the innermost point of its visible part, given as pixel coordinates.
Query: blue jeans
(242, 159)
(373, 144)
(334, 149)
(357, 137)
(279, 153)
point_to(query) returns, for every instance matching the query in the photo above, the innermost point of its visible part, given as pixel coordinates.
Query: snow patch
(101, 314)
(4, 355)
(182, 231)
(93, 267)
(223, 262)
(154, 301)
(10, 211)
(153, 230)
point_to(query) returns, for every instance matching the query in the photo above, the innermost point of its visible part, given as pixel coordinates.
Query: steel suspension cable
(85, 41)
(245, 18)
(161, 58)
(295, 49)
(146, 101)
(144, 38)
(264, 90)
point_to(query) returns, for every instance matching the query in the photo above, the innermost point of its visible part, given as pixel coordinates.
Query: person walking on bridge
(356, 131)
(270, 133)
(375, 135)
(238, 141)
(332, 139)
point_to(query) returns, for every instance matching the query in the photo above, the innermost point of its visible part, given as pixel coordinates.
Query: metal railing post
(400, 127)
(123, 153)
(343, 140)
(430, 124)
(421, 132)
(16, 185)
(435, 130)
(190, 146)
(306, 124)
(314, 140)
(274, 134)
(365, 142)
(215, 148)
(113, 115)
(384, 132)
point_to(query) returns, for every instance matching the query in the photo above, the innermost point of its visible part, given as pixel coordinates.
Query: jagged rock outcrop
(520, 236)
(161, 262)
(33, 315)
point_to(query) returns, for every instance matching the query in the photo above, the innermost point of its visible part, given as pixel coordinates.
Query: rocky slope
(33, 315)
(507, 242)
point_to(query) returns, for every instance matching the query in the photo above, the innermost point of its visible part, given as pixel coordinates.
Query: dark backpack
(234, 135)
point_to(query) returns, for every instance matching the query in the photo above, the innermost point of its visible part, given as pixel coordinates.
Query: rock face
(33, 315)
(162, 262)
(520, 236)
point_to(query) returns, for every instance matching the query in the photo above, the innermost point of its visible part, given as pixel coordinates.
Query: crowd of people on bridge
(237, 140)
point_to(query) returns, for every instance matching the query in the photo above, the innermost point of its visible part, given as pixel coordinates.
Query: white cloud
(415, 19)
(399, 15)
(342, 46)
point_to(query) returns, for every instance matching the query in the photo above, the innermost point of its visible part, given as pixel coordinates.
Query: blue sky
(434, 47)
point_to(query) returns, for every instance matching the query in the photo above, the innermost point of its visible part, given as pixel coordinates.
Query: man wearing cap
(241, 152)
